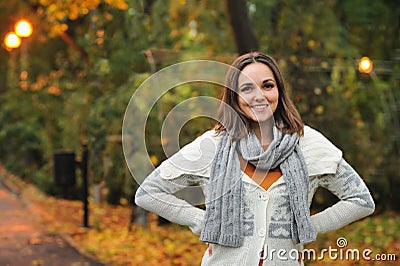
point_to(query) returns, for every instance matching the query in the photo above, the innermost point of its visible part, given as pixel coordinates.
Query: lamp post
(12, 41)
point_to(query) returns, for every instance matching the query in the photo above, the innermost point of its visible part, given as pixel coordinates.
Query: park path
(23, 240)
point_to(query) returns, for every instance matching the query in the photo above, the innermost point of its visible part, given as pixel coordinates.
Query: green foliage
(85, 59)
(104, 126)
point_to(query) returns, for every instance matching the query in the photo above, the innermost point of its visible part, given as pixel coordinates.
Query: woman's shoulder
(313, 138)
(194, 158)
(207, 140)
(210, 134)
(321, 156)
(310, 132)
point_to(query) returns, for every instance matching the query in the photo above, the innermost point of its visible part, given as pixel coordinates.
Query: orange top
(263, 178)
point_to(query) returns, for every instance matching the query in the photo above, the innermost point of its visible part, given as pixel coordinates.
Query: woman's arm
(355, 199)
(156, 195)
(188, 167)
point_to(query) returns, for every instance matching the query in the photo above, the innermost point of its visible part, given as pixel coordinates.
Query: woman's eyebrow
(268, 80)
(246, 84)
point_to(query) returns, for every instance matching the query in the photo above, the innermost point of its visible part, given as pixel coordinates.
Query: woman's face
(257, 92)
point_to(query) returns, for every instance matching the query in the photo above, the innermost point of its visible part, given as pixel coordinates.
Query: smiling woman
(253, 79)
(258, 94)
(260, 167)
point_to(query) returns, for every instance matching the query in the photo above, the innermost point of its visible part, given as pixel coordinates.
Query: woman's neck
(264, 132)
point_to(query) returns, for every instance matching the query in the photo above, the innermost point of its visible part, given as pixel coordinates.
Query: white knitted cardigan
(192, 165)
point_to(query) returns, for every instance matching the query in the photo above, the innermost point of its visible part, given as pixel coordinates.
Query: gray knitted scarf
(223, 222)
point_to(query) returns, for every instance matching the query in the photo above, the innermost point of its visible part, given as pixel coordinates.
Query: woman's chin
(263, 119)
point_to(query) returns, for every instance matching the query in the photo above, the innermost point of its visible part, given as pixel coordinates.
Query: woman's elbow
(372, 206)
(369, 206)
(140, 197)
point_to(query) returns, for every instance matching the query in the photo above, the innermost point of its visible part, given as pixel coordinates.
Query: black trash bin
(64, 169)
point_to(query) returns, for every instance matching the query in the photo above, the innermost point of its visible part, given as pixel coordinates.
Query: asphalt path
(23, 240)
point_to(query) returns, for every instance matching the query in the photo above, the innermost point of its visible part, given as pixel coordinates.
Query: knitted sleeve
(187, 168)
(320, 155)
(355, 200)
(156, 194)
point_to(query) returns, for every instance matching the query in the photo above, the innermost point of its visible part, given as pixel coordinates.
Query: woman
(259, 169)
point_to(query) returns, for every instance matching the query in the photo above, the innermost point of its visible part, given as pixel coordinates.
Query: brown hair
(231, 117)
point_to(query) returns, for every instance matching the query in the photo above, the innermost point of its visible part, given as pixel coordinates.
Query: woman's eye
(245, 89)
(268, 85)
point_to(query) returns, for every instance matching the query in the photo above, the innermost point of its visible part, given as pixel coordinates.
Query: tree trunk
(147, 6)
(236, 12)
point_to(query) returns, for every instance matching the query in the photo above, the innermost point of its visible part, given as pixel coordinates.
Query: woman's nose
(259, 94)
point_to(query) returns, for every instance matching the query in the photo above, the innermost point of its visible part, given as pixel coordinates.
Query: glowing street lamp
(23, 28)
(12, 41)
(365, 65)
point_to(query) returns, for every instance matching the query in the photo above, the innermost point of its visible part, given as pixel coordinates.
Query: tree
(242, 28)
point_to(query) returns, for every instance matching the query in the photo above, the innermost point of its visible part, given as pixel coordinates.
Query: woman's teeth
(259, 106)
